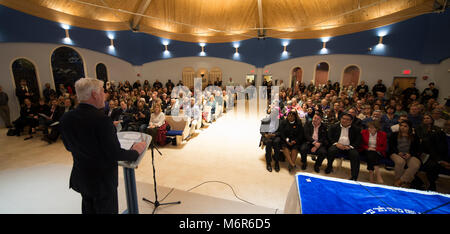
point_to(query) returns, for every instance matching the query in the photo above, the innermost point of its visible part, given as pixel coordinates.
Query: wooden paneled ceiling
(227, 20)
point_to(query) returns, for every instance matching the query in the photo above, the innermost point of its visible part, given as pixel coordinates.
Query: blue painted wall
(424, 38)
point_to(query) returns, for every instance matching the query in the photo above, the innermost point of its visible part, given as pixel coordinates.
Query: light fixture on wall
(381, 34)
(111, 47)
(111, 40)
(165, 43)
(380, 41)
(166, 53)
(236, 53)
(380, 44)
(285, 44)
(324, 49)
(202, 44)
(236, 46)
(67, 39)
(284, 54)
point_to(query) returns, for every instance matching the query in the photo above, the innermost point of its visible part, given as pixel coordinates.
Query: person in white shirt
(194, 114)
(438, 121)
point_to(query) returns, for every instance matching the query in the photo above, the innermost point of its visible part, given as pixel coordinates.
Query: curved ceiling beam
(261, 23)
(141, 9)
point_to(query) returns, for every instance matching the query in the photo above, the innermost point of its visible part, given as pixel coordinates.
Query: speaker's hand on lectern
(139, 147)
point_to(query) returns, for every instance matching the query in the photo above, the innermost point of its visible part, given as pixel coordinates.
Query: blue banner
(328, 195)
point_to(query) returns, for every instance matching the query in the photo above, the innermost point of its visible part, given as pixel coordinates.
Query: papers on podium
(127, 139)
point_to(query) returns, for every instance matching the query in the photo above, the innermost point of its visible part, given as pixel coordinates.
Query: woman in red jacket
(374, 144)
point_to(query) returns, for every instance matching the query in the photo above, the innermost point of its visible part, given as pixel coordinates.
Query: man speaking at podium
(91, 137)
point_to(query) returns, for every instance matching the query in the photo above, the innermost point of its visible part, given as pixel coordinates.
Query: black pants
(54, 133)
(352, 154)
(373, 159)
(100, 205)
(272, 143)
(22, 122)
(432, 170)
(305, 149)
(154, 133)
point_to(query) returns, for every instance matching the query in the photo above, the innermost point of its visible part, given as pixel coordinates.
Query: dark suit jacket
(91, 138)
(115, 114)
(323, 134)
(20, 93)
(354, 135)
(25, 112)
(292, 131)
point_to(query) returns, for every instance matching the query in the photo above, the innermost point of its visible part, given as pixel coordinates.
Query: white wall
(442, 75)
(172, 69)
(372, 68)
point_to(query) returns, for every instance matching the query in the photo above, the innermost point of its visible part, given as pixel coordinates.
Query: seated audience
(414, 116)
(212, 104)
(68, 106)
(399, 110)
(356, 121)
(270, 137)
(52, 122)
(141, 117)
(193, 112)
(376, 116)
(125, 117)
(404, 150)
(345, 139)
(366, 112)
(316, 141)
(28, 117)
(396, 127)
(389, 119)
(434, 147)
(325, 137)
(291, 133)
(438, 121)
(157, 119)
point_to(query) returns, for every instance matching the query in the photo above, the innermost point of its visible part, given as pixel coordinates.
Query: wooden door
(351, 76)
(404, 82)
(321, 76)
(297, 75)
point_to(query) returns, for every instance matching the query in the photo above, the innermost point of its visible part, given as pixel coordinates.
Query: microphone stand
(156, 203)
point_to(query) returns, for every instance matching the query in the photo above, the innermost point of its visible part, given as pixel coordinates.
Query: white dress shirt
(344, 139)
(315, 135)
(372, 141)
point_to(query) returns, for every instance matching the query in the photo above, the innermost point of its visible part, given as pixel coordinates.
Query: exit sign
(406, 72)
